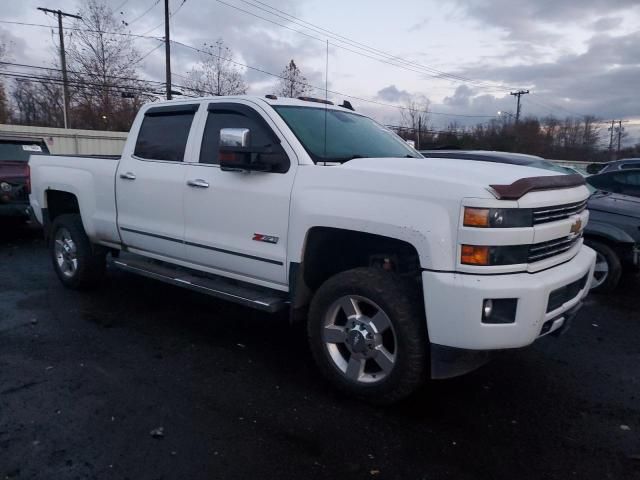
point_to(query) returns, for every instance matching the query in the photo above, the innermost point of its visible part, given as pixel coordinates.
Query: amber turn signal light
(475, 255)
(476, 217)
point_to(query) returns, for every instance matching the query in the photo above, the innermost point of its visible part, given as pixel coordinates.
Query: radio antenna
(326, 98)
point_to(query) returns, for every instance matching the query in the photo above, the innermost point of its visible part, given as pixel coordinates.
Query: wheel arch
(329, 250)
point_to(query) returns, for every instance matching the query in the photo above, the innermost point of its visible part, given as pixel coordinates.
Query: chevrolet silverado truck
(403, 268)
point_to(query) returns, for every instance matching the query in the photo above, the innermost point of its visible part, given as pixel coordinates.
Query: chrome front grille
(559, 212)
(543, 250)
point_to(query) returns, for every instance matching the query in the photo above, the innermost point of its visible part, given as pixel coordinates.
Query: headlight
(497, 217)
(486, 255)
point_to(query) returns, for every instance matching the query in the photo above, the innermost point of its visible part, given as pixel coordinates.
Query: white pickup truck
(404, 268)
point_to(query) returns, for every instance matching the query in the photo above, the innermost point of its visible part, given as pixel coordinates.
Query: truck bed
(91, 178)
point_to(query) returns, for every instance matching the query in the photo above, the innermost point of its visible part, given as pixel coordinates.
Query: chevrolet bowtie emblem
(576, 227)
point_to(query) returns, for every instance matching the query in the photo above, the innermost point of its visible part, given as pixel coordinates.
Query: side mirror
(237, 155)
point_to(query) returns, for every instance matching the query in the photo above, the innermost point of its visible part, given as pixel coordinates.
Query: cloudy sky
(575, 56)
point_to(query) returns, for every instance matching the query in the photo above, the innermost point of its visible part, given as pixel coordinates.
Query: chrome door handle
(198, 183)
(128, 176)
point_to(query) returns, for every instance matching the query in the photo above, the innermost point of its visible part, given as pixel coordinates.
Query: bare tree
(106, 90)
(590, 133)
(415, 116)
(4, 104)
(38, 102)
(292, 83)
(216, 73)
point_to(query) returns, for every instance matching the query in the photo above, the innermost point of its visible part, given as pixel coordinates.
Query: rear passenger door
(150, 183)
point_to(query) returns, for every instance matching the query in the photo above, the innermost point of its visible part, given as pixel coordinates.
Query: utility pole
(620, 130)
(167, 48)
(518, 94)
(63, 60)
(611, 129)
(419, 131)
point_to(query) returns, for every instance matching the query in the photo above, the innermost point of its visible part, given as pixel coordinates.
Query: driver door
(236, 222)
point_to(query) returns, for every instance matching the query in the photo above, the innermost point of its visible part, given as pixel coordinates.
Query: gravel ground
(85, 378)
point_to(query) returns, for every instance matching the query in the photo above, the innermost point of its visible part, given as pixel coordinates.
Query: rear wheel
(367, 332)
(608, 270)
(77, 262)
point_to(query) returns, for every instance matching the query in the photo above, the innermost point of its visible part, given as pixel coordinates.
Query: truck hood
(615, 203)
(465, 172)
(13, 170)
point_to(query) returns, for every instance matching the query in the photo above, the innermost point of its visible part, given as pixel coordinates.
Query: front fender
(427, 226)
(608, 231)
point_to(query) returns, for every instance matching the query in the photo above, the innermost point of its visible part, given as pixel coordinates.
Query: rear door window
(164, 133)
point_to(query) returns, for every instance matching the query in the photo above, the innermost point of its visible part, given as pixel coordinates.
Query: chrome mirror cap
(235, 137)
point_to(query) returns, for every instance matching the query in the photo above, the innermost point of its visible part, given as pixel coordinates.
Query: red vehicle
(14, 174)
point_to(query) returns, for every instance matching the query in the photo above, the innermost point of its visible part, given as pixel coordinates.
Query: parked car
(403, 268)
(626, 182)
(613, 166)
(613, 230)
(14, 174)
(614, 233)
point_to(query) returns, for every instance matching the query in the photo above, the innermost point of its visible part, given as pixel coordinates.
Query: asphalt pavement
(141, 380)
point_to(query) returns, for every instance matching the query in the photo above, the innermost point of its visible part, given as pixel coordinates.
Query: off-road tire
(91, 259)
(402, 302)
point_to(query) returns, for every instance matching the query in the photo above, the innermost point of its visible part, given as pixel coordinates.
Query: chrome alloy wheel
(601, 272)
(360, 340)
(65, 252)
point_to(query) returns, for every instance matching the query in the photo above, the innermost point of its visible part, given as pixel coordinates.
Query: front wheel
(368, 335)
(608, 270)
(78, 263)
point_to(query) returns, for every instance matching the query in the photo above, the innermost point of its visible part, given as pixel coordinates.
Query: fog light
(499, 310)
(487, 308)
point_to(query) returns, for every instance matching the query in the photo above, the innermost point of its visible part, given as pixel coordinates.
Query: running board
(260, 298)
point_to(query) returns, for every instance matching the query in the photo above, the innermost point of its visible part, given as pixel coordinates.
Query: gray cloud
(528, 20)
(606, 24)
(392, 94)
(420, 25)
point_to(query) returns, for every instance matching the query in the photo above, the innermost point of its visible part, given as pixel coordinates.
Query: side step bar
(248, 295)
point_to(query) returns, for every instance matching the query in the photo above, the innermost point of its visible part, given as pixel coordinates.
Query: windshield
(19, 151)
(348, 136)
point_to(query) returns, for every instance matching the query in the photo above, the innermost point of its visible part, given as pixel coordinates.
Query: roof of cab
(259, 98)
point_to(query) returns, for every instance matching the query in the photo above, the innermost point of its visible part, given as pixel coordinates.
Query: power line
(23, 65)
(143, 13)
(81, 82)
(375, 102)
(423, 71)
(148, 53)
(170, 16)
(76, 29)
(120, 6)
(334, 92)
(363, 46)
(557, 107)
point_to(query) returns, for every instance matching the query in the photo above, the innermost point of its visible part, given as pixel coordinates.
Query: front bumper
(454, 301)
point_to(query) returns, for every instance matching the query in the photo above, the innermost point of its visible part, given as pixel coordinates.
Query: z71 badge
(259, 237)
